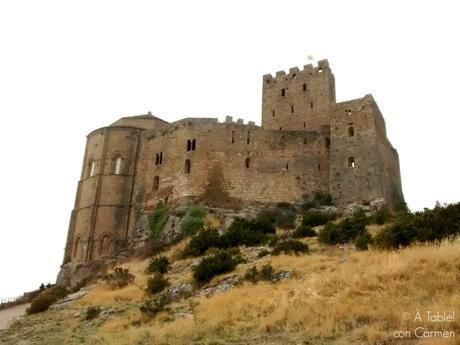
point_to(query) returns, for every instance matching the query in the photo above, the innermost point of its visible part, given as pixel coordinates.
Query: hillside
(333, 295)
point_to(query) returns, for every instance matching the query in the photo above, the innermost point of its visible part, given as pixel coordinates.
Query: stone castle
(307, 143)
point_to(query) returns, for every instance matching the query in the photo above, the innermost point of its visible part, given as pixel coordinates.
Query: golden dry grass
(343, 295)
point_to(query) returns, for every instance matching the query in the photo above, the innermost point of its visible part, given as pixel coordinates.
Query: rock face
(75, 273)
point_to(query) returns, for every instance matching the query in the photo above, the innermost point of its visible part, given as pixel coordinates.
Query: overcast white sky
(68, 67)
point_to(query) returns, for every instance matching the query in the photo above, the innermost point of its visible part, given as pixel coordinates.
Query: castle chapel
(307, 143)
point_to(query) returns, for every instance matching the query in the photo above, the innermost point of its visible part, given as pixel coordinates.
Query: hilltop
(334, 294)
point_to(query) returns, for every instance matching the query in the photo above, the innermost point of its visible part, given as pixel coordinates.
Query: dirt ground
(8, 315)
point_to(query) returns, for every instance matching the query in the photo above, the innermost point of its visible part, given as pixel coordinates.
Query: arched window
(105, 246)
(351, 162)
(351, 131)
(92, 168)
(187, 166)
(117, 165)
(247, 162)
(156, 183)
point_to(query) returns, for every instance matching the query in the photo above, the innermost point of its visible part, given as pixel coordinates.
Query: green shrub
(429, 225)
(363, 240)
(290, 246)
(44, 300)
(209, 267)
(119, 278)
(201, 242)
(196, 211)
(252, 275)
(159, 264)
(319, 199)
(304, 231)
(191, 225)
(193, 220)
(381, 216)
(283, 216)
(272, 240)
(267, 272)
(315, 218)
(246, 232)
(92, 313)
(156, 284)
(158, 219)
(262, 253)
(153, 306)
(346, 230)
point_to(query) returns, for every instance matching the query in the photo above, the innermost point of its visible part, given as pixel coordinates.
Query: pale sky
(68, 67)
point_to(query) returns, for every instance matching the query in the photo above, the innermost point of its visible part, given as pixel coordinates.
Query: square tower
(299, 100)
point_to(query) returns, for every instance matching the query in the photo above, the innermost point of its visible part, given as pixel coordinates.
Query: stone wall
(307, 143)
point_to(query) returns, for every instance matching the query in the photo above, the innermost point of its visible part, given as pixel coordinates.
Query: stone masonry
(307, 143)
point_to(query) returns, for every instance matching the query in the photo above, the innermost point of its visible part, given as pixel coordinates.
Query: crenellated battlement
(294, 72)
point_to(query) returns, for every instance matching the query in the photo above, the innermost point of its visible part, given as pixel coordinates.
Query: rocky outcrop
(73, 274)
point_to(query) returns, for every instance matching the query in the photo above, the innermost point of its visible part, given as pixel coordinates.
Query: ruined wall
(298, 100)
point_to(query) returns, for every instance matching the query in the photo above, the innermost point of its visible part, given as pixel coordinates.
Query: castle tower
(364, 166)
(99, 222)
(299, 100)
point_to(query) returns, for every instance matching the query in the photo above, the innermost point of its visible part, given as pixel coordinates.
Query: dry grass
(344, 296)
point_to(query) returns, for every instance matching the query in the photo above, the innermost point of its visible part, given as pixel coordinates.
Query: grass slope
(337, 296)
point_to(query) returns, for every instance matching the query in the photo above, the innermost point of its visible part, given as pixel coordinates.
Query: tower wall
(99, 220)
(299, 100)
(363, 166)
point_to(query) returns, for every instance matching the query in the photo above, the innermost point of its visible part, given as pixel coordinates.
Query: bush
(46, 298)
(222, 262)
(429, 225)
(246, 232)
(283, 216)
(196, 211)
(201, 242)
(252, 275)
(191, 225)
(319, 199)
(363, 240)
(92, 313)
(156, 284)
(381, 216)
(262, 253)
(267, 273)
(158, 219)
(290, 246)
(345, 231)
(159, 264)
(315, 218)
(272, 240)
(304, 231)
(152, 307)
(193, 220)
(119, 278)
